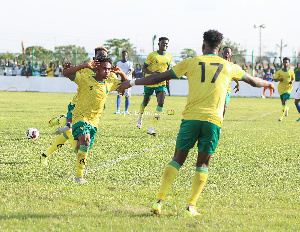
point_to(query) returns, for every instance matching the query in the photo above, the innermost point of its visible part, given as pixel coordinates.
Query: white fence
(64, 85)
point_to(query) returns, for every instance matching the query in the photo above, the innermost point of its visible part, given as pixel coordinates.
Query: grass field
(253, 177)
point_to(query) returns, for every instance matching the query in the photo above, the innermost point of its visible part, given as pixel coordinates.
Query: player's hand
(68, 65)
(281, 79)
(271, 85)
(93, 64)
(117, 70)
(123, 85)
(237, 87)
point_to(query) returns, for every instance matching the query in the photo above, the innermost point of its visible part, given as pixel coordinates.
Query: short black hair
(162, 38)
(105, 59)
(213, 38)
(286, 58)
(227, 47)
(124, 51)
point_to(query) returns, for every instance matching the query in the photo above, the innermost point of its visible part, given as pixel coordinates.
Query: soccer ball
(32, 133)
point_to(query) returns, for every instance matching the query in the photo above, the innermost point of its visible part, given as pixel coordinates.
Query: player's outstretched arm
(258, 82)
(149, 80)
(70, 72)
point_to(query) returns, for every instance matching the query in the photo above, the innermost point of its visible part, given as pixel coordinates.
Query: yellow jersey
(91, 96)
(157, 62)
(50, 72)
(285, 86)
(208, 77)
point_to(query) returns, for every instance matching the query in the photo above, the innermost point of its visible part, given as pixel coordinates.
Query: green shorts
(227, 99)
(285, 96)
(70, 109)
(207, 134)
(80, 128)
(148, 91)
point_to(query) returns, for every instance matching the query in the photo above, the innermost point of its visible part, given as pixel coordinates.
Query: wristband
(132, 83)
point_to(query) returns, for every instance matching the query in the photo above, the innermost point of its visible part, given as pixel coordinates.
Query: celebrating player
(286, 78)
(156, 62)
(127, 66)
(92, 92)
(66, 128)
(209, 76)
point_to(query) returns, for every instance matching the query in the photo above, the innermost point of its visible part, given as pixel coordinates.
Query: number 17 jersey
(208, 77)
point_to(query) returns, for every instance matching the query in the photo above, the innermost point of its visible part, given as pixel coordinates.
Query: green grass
(253, 177)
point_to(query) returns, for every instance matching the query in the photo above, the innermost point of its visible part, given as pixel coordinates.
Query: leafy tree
(238, 54)
(40, 53)
(116, 46)
(188, 53)
(67, 53)
(7, 55)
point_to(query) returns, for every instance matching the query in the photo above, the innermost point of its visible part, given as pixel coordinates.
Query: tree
(7, 55)
(188, 53)
(238, 54)
(67, 53)
(116, 46)
(40, 53)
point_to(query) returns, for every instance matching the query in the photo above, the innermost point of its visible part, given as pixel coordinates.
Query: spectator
(15, 70)
(36, 70)
(4, 70)
(57, 69)
(29, 70)
(43, 69)
(268, 77)
(138, 71)
(19, 70)
(50, 70)
(24, 70)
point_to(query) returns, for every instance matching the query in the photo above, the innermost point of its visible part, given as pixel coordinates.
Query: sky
(91, 23)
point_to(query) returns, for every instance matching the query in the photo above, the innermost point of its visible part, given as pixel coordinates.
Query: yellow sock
(142, 109)
(81, 160)
(157, 115)
(199, 181)
(168, 178)
(283, 111)
(62, 121)
(71, 139)
(59, 142)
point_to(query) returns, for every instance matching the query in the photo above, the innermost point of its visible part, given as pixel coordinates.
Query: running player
(93, 89)
(156, 62)
(286, 78)
(127, 67)
(209, 76)
(66, 123)
(227, 54)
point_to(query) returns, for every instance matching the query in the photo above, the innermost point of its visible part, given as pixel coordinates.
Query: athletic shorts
(127, 93)
(80, 128)
(148, 91)
(227, 99)
(207, 134)
(70, 109)
(285, 96)
(297, 96)
(268, 88)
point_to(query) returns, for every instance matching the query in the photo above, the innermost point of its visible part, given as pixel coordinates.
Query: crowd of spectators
(10, 67)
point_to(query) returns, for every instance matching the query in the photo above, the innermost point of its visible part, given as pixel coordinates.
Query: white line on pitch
(250, 119)
(110, 163)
